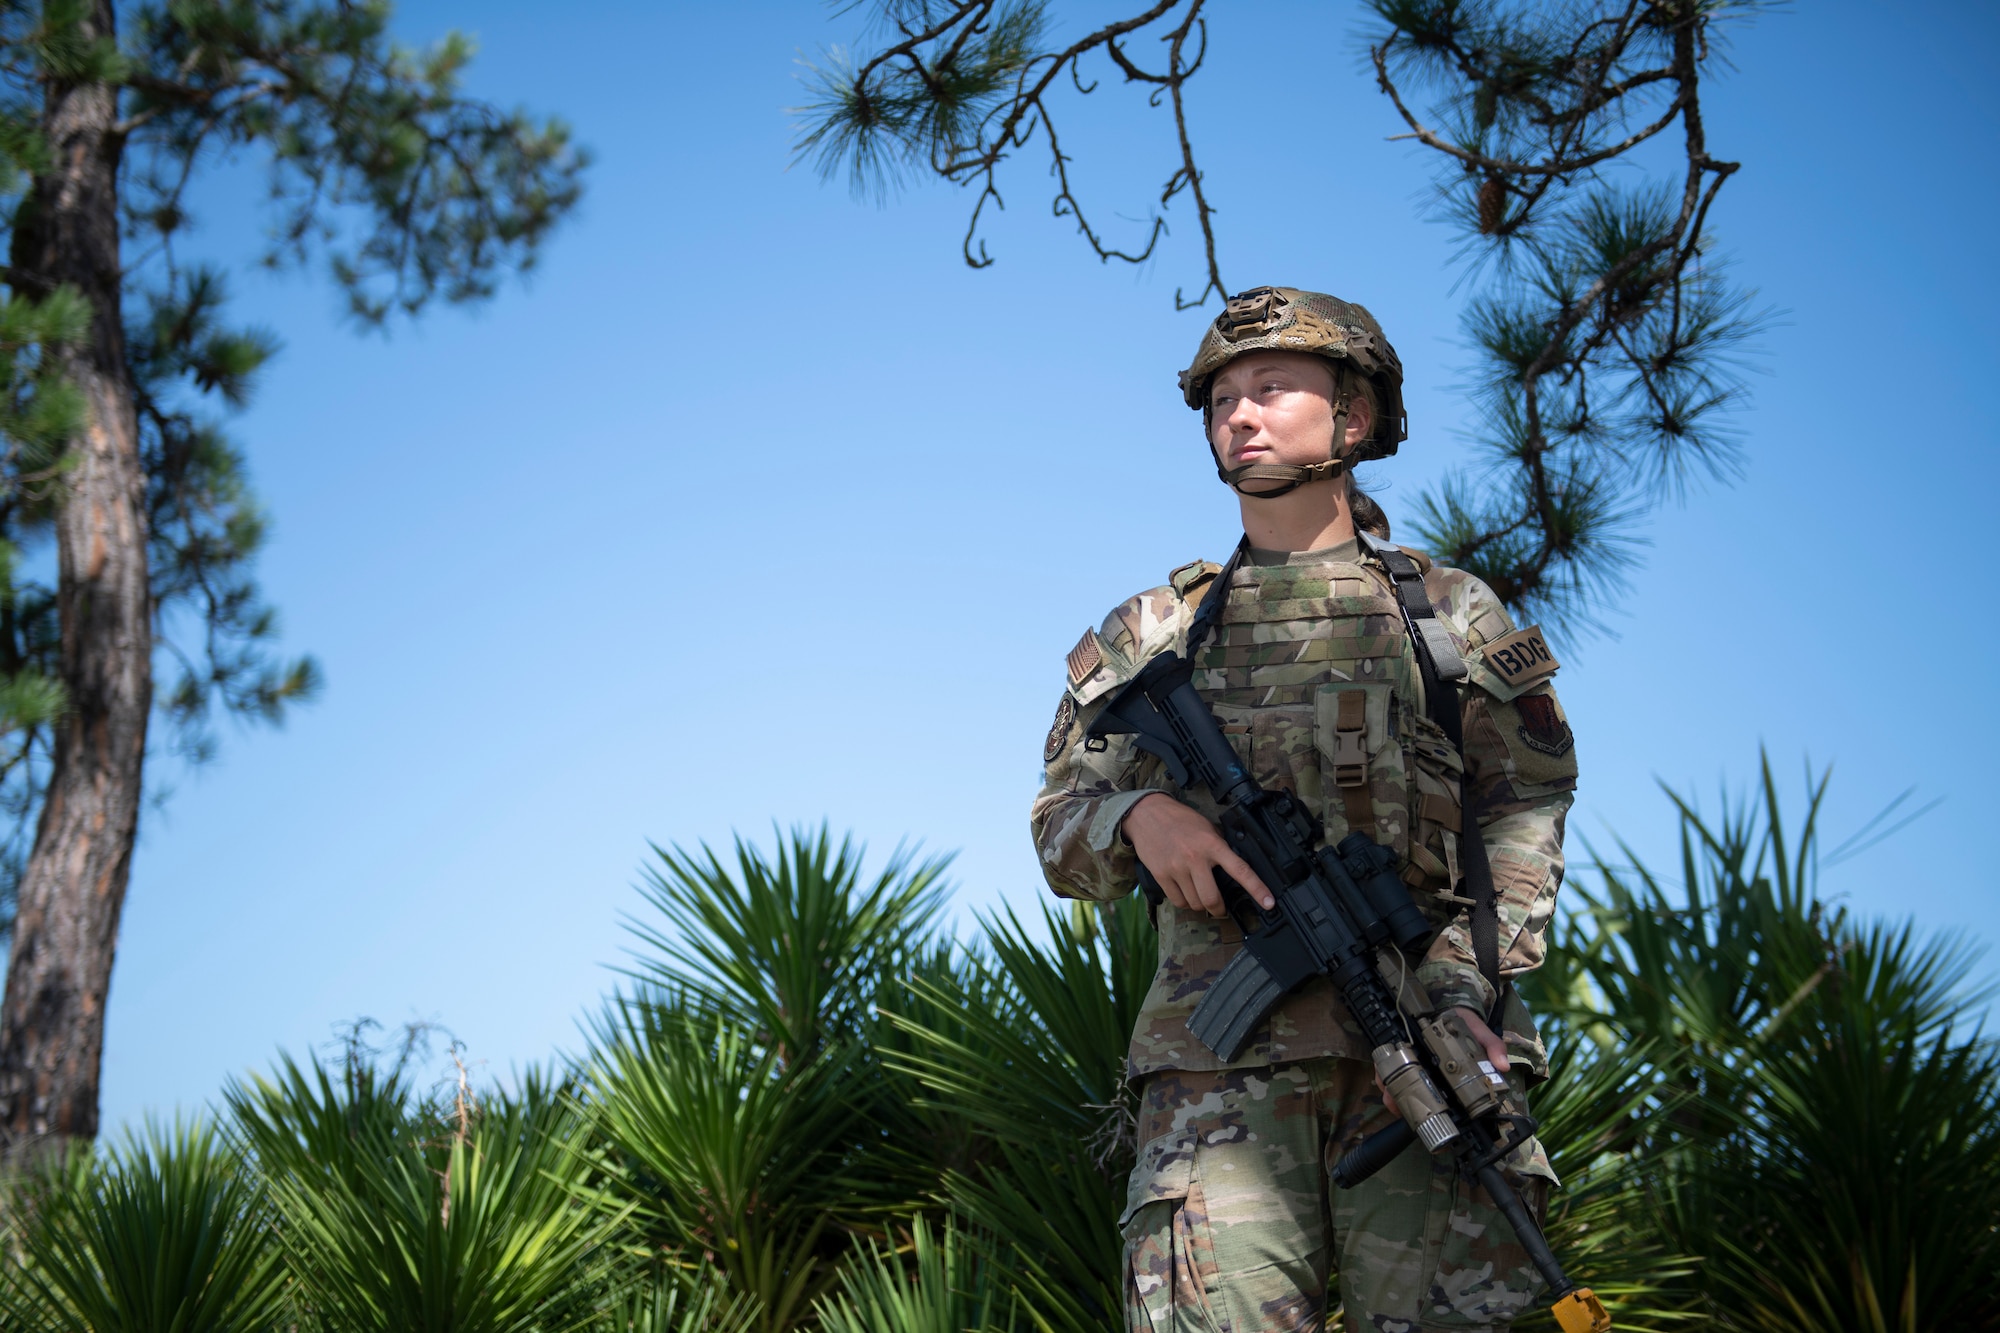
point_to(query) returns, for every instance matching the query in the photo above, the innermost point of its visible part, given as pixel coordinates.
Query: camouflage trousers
(1233, 1223)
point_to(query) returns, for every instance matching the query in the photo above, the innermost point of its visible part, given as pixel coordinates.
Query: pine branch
(970, 84)
(1608, 337)
(412, 191)
(1605, 336)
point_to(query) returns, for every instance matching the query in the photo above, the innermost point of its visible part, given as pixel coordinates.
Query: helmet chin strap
(1290, 476)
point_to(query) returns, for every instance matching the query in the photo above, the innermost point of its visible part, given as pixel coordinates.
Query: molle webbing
(1287, 628)
(1339, 636)
(1286, 651)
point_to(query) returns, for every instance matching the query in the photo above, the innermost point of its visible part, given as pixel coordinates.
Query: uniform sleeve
(1520, 781)
(1076, 817)
(1086, 793)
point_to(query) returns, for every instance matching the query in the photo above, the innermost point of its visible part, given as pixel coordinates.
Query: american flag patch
(1084, 659)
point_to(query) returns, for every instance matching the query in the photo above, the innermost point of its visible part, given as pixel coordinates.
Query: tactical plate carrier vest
(1309, 668)
(1310, 665)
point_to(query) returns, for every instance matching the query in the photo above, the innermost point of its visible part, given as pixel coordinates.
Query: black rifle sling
(1442, 669)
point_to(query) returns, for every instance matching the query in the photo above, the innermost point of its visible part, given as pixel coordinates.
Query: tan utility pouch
(1361, 768)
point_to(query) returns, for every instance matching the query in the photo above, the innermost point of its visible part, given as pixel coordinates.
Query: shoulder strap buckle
(1437, 653)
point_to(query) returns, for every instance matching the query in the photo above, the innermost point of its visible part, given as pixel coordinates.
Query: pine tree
(115, 362)
(1606, 335)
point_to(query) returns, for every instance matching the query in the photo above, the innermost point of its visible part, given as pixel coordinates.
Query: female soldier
(1232, 1222)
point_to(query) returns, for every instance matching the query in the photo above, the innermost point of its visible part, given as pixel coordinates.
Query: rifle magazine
(1234, 1006)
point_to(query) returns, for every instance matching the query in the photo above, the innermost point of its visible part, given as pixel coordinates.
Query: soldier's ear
(1360, 418)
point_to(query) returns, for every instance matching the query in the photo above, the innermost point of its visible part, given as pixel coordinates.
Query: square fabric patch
(1521, 658)
(1084, 658)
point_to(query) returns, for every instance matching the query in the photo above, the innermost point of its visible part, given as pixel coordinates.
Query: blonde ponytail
(1368, 516)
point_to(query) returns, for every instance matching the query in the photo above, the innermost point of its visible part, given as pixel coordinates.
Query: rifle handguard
(1426, 1118)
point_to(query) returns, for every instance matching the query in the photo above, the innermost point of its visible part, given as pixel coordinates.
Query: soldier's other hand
(1494, 1046)
(1184, 850)
(1475, 1023)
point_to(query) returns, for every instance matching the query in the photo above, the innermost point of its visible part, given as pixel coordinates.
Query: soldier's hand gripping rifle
(1339, 912)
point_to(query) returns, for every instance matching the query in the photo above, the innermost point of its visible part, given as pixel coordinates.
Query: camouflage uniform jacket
(1311, 671)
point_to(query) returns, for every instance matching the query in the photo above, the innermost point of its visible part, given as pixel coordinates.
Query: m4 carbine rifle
(1339, 912)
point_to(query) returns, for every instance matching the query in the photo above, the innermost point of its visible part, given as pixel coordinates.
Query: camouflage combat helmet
(1289, 320)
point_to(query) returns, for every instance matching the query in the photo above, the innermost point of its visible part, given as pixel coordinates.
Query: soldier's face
(1277, 407)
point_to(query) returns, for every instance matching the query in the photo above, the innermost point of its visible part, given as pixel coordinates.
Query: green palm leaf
(1815, 1127)
(1597, 1116)
(942, 1289)
(165, 1234)
(396, 1216)
(1873, 1140)
(795, 942)
(673, 1300)
(1026, 1047)
(726, 1152)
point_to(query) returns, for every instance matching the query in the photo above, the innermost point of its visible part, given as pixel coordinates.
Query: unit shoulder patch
(1521, 658)
(1084, 658)
(1542, 725)
(1059, 731)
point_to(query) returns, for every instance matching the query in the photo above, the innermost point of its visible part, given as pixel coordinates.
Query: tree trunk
(71, 894)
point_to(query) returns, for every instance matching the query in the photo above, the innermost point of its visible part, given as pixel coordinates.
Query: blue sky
(755, 506)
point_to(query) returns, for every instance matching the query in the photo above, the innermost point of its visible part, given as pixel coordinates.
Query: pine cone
(1492, 205)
